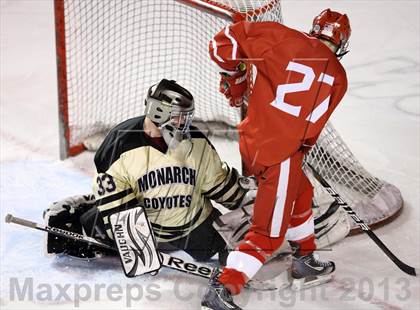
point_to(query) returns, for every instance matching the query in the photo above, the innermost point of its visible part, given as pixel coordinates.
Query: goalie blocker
(131, 230)
(133, 238)
(135, 242)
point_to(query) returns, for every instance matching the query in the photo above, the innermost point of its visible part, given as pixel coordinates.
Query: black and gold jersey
(173, 187)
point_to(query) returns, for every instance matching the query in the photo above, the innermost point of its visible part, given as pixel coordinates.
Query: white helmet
(171, 108)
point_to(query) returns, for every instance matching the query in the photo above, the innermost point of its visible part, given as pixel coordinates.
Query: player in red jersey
(293, 82)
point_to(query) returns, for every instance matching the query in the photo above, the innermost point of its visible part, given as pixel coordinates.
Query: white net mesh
(116, 49)
(372, 199)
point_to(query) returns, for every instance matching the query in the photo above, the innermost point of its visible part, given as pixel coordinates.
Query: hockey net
(110, 52)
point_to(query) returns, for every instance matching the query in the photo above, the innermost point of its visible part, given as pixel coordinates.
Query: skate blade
(308, 282)
(258, 285)
(279, 282)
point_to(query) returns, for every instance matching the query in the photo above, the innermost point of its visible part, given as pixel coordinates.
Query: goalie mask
(170, 107)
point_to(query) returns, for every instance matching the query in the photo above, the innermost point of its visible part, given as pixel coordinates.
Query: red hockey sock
(233, 280)
(307, 245)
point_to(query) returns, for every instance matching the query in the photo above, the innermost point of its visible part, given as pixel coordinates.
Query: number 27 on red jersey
(308, 79)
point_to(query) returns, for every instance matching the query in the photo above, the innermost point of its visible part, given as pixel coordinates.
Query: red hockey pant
(282, 209)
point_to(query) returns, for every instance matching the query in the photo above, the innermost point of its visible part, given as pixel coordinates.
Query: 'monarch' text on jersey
(167, 175)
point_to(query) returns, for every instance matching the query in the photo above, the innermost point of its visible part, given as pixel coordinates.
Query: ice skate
(217, 297)
(307, 271)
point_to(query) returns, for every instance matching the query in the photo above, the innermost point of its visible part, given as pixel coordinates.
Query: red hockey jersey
(297, 83)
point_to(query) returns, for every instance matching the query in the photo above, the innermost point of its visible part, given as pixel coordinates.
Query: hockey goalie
(157, 178)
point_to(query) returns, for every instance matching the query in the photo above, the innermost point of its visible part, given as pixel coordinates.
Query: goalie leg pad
(331, 224)
(234, 225)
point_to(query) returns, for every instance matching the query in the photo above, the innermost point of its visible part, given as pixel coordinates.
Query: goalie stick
(404, 267)
(175, 263)
(169, 261)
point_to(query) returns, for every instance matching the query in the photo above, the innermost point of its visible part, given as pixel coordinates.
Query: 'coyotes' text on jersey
(297, 82)
(174, 187)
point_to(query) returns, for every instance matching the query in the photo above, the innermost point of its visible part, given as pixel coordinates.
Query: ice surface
(379, 119)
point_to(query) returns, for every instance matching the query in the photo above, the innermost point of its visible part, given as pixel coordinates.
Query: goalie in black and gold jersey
(161, 162)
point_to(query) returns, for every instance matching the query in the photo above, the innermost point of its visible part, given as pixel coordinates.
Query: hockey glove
(135, 241)
(234, 87)
(66, 214)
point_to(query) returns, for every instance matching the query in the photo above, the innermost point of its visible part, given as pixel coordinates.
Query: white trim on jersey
(233, 41)
(244, 263)
(214, 45)
(115, 203)
(282, 186)
(301, 231)
(254, 72)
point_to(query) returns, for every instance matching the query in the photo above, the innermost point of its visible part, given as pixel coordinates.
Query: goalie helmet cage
(110, 52)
